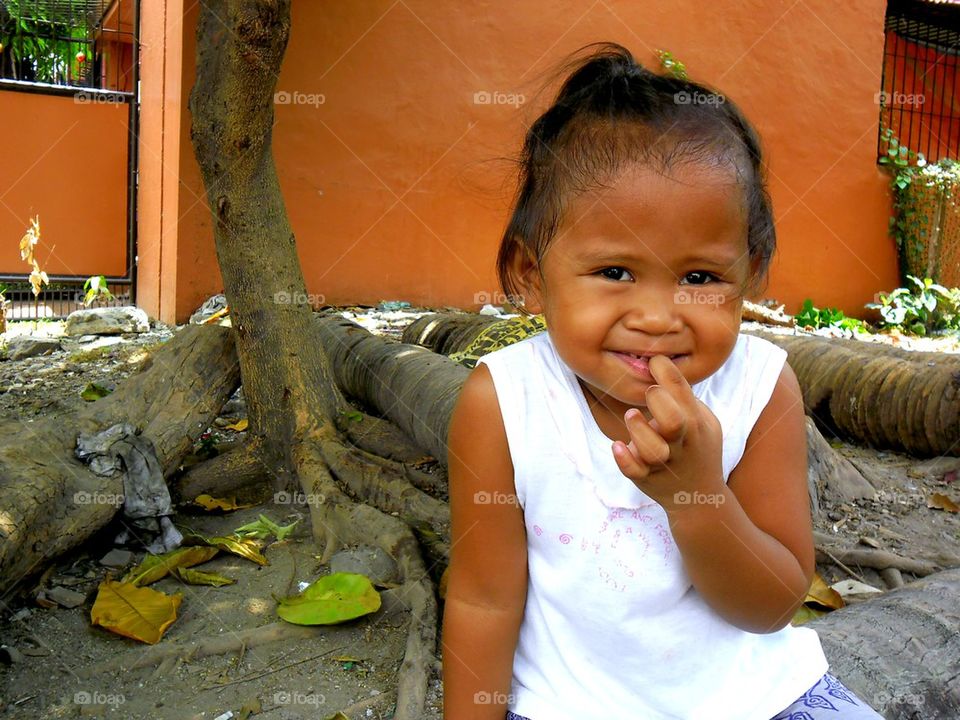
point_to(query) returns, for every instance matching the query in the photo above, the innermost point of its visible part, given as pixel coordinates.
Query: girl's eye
(699, 277)
(615, 273)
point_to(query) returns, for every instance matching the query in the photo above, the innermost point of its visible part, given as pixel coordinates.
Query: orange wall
(65, 161)
(395, 184)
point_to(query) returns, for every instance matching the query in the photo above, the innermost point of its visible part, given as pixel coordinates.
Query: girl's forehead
(680, 195)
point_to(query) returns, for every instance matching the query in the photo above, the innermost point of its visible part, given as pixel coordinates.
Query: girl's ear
(526, 270)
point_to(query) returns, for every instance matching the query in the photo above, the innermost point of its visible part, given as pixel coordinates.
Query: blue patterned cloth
(829, 699)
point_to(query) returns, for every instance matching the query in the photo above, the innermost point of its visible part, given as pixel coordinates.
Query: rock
(65, 598)
(107, 321)
(365, 560)
(936, 467)
(117, 559)
(212, 306)
(10, 655)
(25, 346)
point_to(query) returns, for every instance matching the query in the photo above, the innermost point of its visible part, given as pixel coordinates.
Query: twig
(272, 670)
(850, 572)
(370, 702)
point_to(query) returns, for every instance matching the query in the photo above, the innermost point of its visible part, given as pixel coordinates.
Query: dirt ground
(62, 668)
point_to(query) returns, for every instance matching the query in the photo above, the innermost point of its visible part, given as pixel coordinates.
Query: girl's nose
(653, 311)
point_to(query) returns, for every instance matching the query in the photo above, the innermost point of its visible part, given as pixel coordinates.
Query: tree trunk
(50, 501)
(294, 407)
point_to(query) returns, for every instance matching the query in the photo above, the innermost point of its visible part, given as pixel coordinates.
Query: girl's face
(652, 264)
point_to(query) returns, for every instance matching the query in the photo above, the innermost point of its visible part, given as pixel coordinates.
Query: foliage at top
(45, 39)
(669, 64)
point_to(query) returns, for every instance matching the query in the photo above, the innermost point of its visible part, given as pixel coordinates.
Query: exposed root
(379, 437)
(878, 559)
(395, 538)
(383, 700)
(217, 645)
(384, 484)
(226, 473)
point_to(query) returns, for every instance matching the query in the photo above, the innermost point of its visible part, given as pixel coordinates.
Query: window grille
(72, 43)
(920, 93)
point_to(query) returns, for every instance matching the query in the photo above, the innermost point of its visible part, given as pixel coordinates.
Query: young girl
(631, 527)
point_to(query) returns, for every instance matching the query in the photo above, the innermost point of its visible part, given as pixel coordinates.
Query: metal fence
(88, 49)
(919, 98)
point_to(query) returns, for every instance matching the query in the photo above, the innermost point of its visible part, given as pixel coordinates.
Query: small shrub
(813, 317)
(920, 309)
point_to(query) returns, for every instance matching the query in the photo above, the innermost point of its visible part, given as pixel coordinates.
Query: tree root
(879, 559)
(379, 437)
(376, 701)
(217, 645)
(226, 473)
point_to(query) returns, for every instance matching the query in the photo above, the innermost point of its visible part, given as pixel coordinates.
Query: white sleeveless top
(612, 625)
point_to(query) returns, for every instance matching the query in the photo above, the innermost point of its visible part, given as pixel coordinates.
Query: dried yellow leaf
(135, 612)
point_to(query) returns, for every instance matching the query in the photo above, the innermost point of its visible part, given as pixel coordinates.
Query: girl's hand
(676, 457)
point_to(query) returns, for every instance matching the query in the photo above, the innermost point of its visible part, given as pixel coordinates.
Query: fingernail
(631, 414)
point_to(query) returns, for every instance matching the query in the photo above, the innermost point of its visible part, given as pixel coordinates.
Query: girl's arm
(750, 554)
(487, 577)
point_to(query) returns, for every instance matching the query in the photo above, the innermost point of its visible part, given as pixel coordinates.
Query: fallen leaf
(822, 594)
(331, 599)
(336, 716)
(247, 548)
(93, 391)
(208, 502)
(938, 501)
(155, 567)
(805, 613)
(201, 577)
(264, 527)
(135, 612)
(238, 426)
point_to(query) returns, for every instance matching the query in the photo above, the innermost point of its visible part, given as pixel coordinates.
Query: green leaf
(264, 527)
(155, 567)
(332, 599)
(93, 392)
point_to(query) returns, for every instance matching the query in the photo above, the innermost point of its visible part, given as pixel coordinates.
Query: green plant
(48, 43)
(813, 317)
(95, 288)
(671, 65)
(915, 222)
(924, 308)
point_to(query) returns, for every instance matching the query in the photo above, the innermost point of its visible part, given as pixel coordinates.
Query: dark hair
(612, 111)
